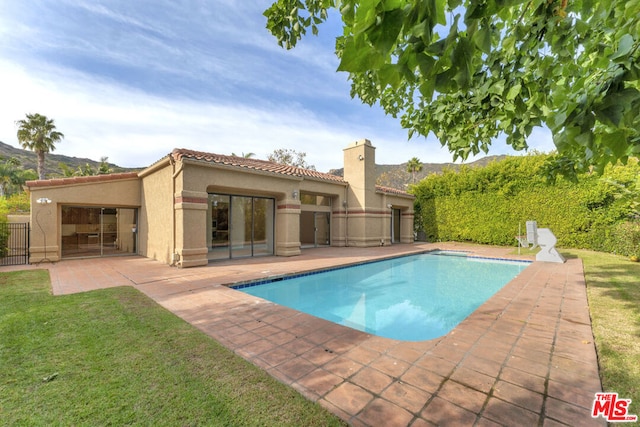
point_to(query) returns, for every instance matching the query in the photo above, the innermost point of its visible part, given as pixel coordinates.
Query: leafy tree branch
(469, 71)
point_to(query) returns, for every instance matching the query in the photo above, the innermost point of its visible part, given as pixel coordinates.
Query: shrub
(488, 205)
(18, 203)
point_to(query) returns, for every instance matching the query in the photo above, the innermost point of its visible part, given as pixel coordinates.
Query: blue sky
(131, 80)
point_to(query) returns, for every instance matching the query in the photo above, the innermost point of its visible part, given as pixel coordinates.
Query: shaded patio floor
(525, 357)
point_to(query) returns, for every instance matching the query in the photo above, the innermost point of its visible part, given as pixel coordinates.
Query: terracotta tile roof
(254, 164)
(389, 190)
(81, 179)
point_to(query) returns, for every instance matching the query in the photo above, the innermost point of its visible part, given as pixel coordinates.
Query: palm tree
(414, 165)
(38, 133)
(246, 156)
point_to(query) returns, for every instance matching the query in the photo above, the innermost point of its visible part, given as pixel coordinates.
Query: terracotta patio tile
(548, 422)
(419, 422)
(570, 414)
(319, 355)
(298, 346)
(436, 364)
(276, 356)
(445, 413)
(282, 337)
(406, 396)
(320, 381)
(319, 336)
(340, 345)
(460, 395)
(382, 410)
(266, 330)
(523, 379)
(506, 413)
(362, 355)
(349, 398)
(496, 354)
(405, 353)
(482, 365)
(372, 380)
(485, 422)
(575, 377)
(469, 336)
(496, 337)
(378, 344)
(243, 339)
(522, 397)
(296, 368)
(423, 379)
(528, 365)
(476, 380)
(390, 365)
(342, 366)
(255, 348)
(336, 410)
(571, 394)
(453, 352)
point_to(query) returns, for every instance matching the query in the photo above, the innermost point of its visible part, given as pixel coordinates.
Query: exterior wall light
(390, 206)
(294, 194)
(360, 157)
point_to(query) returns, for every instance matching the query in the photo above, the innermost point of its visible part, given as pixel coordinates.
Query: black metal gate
(14, 244)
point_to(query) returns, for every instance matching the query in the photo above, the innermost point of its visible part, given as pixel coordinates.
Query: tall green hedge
(490, 205)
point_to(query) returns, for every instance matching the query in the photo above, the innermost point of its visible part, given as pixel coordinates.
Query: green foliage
(13, 176)
(471, 70)
(287, 156)
(87, 169)
(18, 203)
(490, 205)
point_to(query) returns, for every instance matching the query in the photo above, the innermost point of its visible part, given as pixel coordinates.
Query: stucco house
(190, 208)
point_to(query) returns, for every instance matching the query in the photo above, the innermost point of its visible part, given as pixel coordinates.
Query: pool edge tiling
(526, 356)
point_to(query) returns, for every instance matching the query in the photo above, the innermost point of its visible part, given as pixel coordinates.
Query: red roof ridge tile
(255, 164)
(81, 179)
(390, 190)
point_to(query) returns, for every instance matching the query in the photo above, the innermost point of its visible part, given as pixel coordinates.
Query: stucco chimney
(360, 173)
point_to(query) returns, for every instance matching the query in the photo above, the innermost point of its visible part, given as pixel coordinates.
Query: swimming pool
(411, 298)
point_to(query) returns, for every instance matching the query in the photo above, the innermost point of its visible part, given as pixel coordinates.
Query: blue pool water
(411, 298)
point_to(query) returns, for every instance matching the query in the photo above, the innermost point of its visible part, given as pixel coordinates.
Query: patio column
(406, 227)
(191, 228)
(288, 227)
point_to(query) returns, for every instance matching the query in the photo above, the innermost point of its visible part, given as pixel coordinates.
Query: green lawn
(613, 289)
(115, 357)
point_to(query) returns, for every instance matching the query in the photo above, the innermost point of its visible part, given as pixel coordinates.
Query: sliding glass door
(241, 226)
(98, 231)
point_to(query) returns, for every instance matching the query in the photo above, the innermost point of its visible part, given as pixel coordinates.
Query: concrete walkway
(526, 357)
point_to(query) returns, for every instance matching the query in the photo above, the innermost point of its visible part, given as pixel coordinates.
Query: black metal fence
(14, 244)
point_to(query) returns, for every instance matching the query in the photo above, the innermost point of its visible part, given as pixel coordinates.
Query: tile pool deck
(525, 357)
